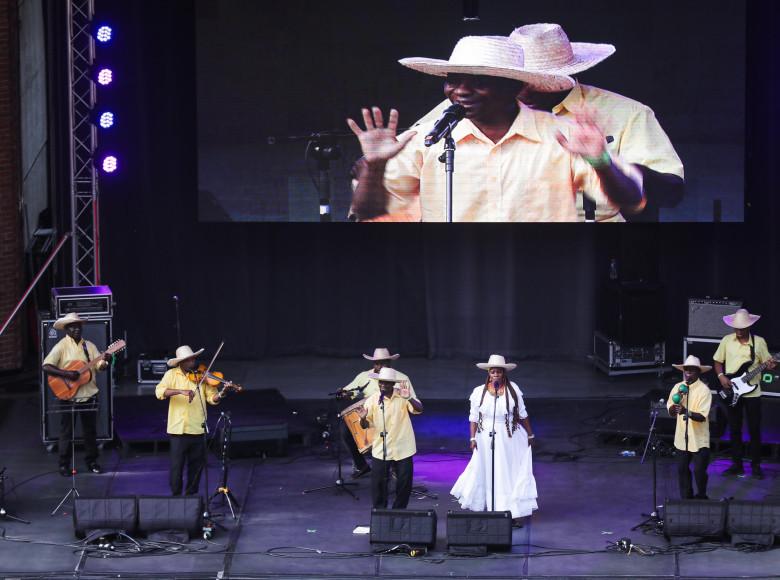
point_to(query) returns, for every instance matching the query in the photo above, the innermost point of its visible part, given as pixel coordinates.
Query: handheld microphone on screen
(496, 385)
(451, 116)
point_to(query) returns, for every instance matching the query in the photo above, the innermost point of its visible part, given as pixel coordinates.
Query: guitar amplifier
(705, 316)
(89, 301)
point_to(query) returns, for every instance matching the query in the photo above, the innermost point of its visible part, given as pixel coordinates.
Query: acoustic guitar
(64, 389)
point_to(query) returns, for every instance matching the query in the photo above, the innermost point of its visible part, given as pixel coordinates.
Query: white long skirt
(515, 483)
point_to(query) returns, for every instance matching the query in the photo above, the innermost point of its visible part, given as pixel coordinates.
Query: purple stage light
(109, 164)
(105, 76)
(104, 34)
(106, 120)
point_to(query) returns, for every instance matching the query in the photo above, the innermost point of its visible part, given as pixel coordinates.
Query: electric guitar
(740, 380)
(64, 389)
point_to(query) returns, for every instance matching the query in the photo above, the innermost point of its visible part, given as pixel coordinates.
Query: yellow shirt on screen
(525, 177)
(698, 400)
(733, 354)
(400, 442)
(184, 418)
(637, 136)
(68, 350)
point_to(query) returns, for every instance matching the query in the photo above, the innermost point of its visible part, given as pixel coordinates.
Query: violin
(212, 378)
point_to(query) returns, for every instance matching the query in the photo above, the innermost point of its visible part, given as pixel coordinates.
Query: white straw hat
(386, 374)
(496, 361)
(381, 354)
(495, 56)
(69, 318)
(183, 353)
(693, 361)
(547, 49)
(740, 319)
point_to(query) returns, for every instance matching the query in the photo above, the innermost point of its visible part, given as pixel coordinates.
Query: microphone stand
(448, 158)
(652, 444)
(384, 446)
(178, 322)
(493, 453)
(207, 521)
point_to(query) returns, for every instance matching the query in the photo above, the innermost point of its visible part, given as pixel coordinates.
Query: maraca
(676, 398)
(683, 389)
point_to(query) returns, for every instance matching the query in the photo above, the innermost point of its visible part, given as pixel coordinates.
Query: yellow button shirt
(184, 417)
(400, 441)
(372, 384)
(68, 350)
(637, 136)
(698, 400)
(525, 177)
(734, 354)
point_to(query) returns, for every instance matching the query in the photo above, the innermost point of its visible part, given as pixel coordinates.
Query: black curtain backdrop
(432, 290)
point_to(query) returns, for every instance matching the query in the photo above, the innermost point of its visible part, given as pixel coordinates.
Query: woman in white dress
(515, 486)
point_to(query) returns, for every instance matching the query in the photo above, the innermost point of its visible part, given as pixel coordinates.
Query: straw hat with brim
(496, 361)
(387, 375)
(693, 361)
(547, 50)
(381, 354)
(183, 353)
(494, 56)
(741, 319)
(69, 318)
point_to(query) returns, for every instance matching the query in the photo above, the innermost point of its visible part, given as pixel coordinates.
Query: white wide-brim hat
(381, 354)
(386, 374)
(547, 49)
(69, 318)
(496, 361)
(693, 361)
(740, 319)
(494, 56)
(183, 353)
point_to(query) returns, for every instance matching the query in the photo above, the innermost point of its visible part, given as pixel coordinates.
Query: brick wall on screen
(11, 283)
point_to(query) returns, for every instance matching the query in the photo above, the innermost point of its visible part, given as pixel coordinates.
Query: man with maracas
(690, 402)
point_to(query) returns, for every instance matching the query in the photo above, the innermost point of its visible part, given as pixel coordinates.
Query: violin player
(187, 417)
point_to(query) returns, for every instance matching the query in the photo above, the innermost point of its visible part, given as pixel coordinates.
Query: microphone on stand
(451, 116)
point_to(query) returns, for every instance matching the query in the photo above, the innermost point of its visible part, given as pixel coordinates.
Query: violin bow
(211, 364)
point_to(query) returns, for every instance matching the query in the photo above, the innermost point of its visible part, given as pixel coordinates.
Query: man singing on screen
(513, 164)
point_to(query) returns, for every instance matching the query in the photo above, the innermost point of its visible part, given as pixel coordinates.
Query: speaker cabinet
(393, 527)
(753, 522)
(111, 513)
(171, 513)
(478, 532)
(694, 518)
(98, 332)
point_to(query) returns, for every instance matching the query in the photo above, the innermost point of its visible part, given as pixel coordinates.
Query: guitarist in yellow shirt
(735, 350)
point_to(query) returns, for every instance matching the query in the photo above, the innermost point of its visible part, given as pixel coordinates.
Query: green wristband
(600, 162)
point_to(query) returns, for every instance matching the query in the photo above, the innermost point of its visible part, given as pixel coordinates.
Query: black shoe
(358, 473)
(517, 523)
(94, 467)
(64, 471)
(758, 473)
(734, 470)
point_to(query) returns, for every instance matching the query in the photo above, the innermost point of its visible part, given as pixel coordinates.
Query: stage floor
(589, 496)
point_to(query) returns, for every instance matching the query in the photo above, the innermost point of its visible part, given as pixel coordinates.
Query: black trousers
(751, 407)
(349, 442)
(187, 449)
(701, 459)
(88, 430)
(380, 478)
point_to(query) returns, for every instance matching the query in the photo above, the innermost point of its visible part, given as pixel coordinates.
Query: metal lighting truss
(83, 144)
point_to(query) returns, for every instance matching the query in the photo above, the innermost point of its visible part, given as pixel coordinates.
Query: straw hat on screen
(490, 56)
(496, 361)
(381, 354)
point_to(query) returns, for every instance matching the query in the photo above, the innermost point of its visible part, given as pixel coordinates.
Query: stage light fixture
(104, 34)
(109, 164)
(105, 76)
(106, 120)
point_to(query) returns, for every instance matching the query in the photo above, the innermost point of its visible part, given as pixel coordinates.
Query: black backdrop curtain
(433, 290)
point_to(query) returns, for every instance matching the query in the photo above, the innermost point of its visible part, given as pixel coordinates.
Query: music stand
(222, 488)
(5, 514)
(70, 407)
